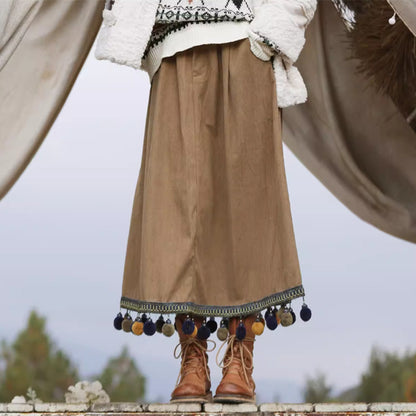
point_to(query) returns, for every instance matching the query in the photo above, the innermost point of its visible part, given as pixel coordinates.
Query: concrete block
(19, 407)
(162, 407)
(190, 407)
(213, 407)
(340, 407)
(61, 407)
(117, 407)
(404, 407)
(286, 407)
(239, 408)
(380, 407)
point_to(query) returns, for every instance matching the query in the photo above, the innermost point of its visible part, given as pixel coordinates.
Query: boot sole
(234, 398)
(192, 399)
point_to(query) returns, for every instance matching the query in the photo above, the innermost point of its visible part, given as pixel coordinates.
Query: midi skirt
(211, 230)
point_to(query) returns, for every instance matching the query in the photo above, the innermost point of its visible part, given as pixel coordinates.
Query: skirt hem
(279, 298)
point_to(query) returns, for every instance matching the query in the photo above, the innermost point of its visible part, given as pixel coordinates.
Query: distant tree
(34, 361)
(389, 377)
(122, 379)
(410, 388)
(316, 389)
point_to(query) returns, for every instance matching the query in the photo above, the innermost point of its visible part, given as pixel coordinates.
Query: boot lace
(231, 342)
(191, 351)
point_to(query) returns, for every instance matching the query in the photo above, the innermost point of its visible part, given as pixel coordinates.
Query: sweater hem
(193, 35)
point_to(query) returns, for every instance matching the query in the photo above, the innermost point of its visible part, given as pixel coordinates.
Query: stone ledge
(265, 409)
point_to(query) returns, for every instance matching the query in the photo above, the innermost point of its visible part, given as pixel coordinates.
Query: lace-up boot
(194, 381)
(237, 384)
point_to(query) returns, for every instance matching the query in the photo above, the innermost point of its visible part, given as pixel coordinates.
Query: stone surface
(239, 408)
(380, 407)
(340, 407)
(189, 407)
(162, 407)
(403, 407)
(60, 407)
(286, 407)
(19, 407)
(212, 407)
(118, 407)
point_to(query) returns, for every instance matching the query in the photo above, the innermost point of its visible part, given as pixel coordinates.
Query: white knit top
(182, 24)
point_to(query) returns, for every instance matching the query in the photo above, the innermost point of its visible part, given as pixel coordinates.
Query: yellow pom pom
(257, 327)
(195, 332)
(137, 328)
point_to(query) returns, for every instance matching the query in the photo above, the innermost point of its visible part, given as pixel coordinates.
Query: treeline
(389, 377)
(33, 360)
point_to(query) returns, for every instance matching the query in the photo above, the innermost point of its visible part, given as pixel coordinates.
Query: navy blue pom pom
(117, 321)
(240, 332)
(159, 324)
(226, 322)
(203, 332)
(267, 313)
(188, 326)
(149, 327)
(305, 313)
(271, 321)
(144, 317)
(212, 325)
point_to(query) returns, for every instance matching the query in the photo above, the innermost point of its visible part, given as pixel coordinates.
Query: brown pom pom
(126, 324)
(286, 318)
(222, 333)
(168, 329)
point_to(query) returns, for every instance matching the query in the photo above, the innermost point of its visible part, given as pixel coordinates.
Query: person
(211, 234)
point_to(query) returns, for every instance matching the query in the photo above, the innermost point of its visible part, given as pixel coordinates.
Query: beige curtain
(43, 46)
(353, 140)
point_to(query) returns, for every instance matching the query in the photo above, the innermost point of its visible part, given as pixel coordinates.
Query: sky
(63, 236)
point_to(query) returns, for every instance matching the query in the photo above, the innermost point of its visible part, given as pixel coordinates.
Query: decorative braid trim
(212, 310)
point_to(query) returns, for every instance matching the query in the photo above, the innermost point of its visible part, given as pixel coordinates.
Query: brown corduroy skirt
(211, 229)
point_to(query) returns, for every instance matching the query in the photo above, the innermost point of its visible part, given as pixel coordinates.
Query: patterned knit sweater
(182, 24)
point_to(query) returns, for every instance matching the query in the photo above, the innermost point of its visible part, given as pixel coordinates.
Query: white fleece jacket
(277, 32)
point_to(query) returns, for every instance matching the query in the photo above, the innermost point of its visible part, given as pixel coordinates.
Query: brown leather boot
(195, 380)
(237, 384)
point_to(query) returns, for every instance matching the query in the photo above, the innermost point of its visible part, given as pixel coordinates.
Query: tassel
(258, 325)
(305, 313)
(168, 328)
(204, 332)
(212, 325)
(286, 317)
(117, 321)
(240, 332)
(188, 326)
(222, 332)
(137, 327)
(127, 323)
(159, 324)
(149, 327)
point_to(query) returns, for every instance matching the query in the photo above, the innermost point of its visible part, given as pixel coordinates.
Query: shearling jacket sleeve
(279, 27)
